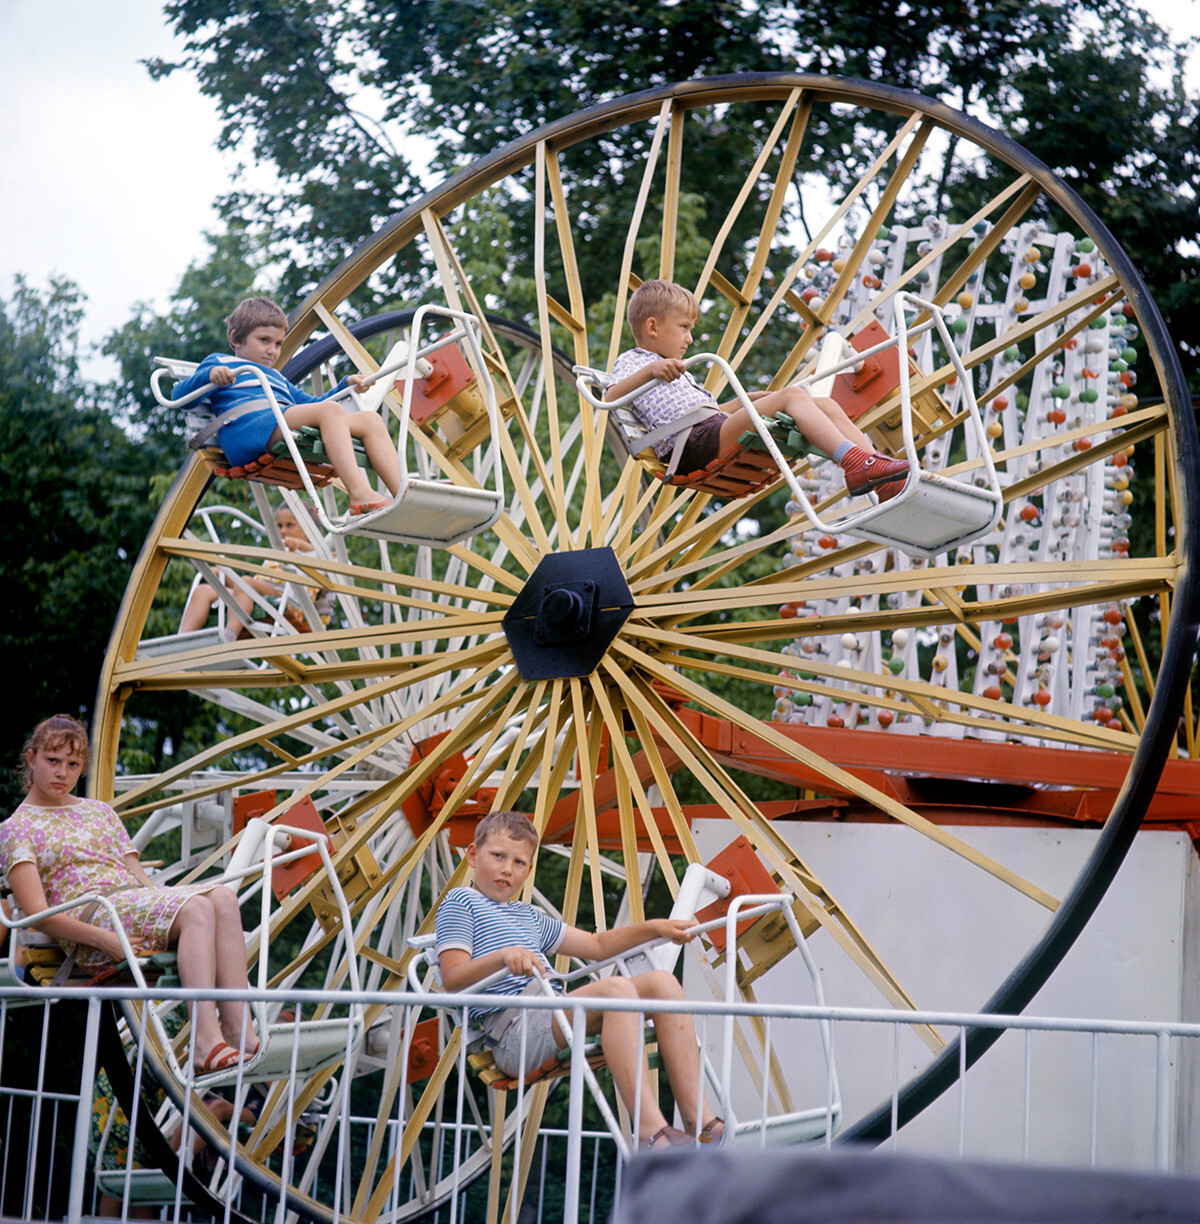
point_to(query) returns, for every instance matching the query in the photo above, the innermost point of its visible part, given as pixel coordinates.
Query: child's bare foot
(249, 1040)
(222, 1057)
(369, 506)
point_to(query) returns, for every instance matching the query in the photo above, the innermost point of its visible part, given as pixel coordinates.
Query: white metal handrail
(1161, 1032)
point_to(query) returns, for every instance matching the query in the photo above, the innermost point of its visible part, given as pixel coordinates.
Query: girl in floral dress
(56, 847)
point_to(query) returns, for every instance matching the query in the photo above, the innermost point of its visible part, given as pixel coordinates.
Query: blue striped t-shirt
(468, 920)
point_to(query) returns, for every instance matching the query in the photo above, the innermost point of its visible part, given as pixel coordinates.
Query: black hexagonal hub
(568, 613)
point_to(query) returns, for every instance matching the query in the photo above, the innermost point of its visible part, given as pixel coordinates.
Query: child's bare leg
(245, 600)
(334, 424)
(624, 1051)
(678, 1046)
(191, 933)
(829, 429)
(210, 955)
(381, 450)
(844, 425)
(195, 615)
(229, 946)
(814, 424)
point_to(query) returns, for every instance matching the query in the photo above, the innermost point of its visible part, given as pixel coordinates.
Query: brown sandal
(672, 1137)
(706, 1131)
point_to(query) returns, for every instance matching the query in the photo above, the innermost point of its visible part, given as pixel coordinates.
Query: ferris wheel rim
(1116, 837)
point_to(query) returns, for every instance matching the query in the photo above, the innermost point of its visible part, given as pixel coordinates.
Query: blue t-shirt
(468, 920)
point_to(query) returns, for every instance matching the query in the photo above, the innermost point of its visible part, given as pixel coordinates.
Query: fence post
(575, 1116)
(83, 1116)
(1162, 1104)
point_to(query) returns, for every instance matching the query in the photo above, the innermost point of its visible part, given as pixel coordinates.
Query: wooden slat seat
(484, 1066)
(745, 467)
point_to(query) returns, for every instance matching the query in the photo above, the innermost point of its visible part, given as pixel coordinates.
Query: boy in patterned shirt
(661, 316)
(483, 929)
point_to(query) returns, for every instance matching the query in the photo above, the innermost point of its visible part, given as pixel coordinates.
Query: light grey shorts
(540, 1045)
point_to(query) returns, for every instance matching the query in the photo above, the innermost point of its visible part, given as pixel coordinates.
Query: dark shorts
(703, 445)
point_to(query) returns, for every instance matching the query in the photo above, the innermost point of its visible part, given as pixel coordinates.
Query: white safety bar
(964, 381)
(412, 365)
(741, 908)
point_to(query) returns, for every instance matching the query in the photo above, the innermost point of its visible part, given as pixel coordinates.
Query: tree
(192, 327)
(329, 96)
(1129, 150)
(77, 501)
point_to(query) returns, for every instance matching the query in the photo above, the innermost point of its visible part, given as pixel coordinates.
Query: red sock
(854, 460)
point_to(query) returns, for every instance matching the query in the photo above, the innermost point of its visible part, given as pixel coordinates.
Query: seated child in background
(482, 929)
(57, 847)
(257, 328)
(661, 316)
(204, 598)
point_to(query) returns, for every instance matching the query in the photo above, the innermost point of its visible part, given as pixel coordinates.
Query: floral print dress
(80, 848)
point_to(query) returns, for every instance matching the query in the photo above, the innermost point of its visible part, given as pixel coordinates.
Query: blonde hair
(513, 824)
(251, 313)
(57, 731)
(653, 299)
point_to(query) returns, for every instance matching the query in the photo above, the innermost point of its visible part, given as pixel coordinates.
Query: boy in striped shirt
(483, 929)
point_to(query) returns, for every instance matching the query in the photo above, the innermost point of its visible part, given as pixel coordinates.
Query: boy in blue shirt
(482, 929)
(256, 329)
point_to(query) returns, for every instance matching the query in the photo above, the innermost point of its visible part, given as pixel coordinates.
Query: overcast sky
(88, 142)
(107, 177)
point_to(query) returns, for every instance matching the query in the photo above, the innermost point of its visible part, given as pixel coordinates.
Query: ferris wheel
(619, 653)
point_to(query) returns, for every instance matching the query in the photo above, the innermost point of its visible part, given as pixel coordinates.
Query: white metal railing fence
(47, 1168)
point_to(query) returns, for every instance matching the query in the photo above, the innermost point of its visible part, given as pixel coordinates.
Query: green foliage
(340, 99)
(1128, 147)
(75, 497)
(192, 328)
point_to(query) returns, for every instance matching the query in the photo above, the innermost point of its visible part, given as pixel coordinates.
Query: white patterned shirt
(665, 403)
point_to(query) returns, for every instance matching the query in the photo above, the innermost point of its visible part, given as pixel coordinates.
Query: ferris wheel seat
(277, 467)
(434, 513)
(707, 893)
(183, 643)
(294, 1048)
(802, 1126)
(931, 515)
(144, 1186)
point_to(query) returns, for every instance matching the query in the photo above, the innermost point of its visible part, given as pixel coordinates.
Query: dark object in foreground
(779, 1187)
